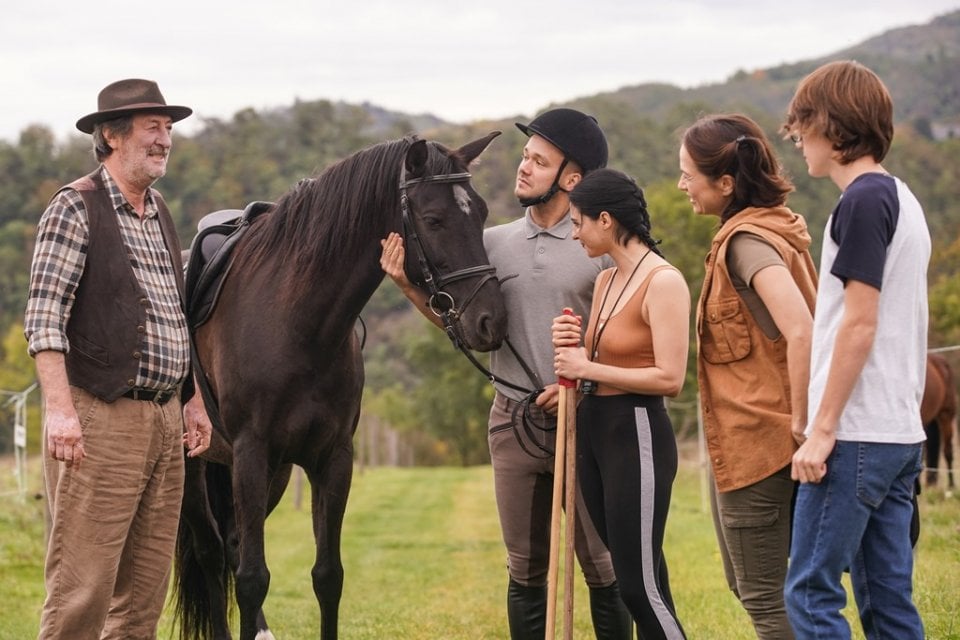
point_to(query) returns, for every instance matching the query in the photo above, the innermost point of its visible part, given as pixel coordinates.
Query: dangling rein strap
(521, 417)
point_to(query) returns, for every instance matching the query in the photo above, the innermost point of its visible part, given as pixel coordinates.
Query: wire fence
(953, 347)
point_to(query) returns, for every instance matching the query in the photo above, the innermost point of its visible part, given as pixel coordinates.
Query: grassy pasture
(424, 560)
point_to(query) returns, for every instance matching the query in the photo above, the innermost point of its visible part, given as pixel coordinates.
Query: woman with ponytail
(754, 326)
(635, 354)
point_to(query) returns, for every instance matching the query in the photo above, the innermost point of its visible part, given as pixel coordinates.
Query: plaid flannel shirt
(58, 263)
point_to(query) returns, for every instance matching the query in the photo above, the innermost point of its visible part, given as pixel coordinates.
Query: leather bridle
(440, 301)
(444, 306)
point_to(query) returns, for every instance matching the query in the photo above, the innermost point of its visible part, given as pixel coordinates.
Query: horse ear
(471, 150)
(416, 160)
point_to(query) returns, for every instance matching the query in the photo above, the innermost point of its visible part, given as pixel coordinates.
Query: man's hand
(810, 460)
(549, 399)
(198, 425)
(392, 259)
(64, 436)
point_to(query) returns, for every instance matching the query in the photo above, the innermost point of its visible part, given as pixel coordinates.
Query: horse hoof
(265, 635)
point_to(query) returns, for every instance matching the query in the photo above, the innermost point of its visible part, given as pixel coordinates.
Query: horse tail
(203, 575)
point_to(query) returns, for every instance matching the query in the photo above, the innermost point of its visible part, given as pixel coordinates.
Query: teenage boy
(862, 452)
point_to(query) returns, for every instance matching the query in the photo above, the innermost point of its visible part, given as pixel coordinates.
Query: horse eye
(433, 222)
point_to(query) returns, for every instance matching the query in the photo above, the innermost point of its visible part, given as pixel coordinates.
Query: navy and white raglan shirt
(877, 234)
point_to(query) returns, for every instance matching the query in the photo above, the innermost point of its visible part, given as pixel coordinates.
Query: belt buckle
(158, 396)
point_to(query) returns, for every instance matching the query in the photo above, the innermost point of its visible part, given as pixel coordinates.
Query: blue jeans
(856, 518)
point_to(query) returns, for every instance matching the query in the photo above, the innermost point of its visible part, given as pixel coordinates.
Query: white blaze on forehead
(462, 197)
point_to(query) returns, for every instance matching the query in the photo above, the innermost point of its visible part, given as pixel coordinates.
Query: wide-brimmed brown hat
(124, 97)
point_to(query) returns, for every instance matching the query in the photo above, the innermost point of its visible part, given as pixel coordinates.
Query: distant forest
(259, 155)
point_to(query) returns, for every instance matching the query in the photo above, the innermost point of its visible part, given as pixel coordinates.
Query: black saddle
(208, 259)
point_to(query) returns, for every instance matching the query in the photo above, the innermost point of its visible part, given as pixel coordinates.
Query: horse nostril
(486, 329)
(483, 326)
(489, 331)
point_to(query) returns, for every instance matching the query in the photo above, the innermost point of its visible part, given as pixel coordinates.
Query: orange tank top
(625, 339)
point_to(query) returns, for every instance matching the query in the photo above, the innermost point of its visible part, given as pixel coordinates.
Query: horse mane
(331, 216)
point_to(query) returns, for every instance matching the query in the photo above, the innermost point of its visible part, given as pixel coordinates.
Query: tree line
(416, 383)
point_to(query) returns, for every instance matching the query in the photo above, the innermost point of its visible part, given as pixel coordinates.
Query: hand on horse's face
(392, 259)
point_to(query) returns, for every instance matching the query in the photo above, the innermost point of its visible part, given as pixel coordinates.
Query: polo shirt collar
(560, 230)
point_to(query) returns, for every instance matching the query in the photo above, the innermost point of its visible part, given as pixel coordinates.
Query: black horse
(284, 367)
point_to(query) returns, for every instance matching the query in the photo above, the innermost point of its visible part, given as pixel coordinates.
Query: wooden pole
(564, 475)
(558, 469)
(570, 480)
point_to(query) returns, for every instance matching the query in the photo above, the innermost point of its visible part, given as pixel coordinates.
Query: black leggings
(626, 464)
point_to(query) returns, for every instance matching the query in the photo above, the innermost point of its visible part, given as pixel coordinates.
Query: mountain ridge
(920, 64)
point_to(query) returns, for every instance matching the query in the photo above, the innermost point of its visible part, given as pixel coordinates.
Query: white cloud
(461, 62)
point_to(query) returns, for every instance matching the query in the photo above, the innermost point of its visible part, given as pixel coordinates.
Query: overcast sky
(459, 61)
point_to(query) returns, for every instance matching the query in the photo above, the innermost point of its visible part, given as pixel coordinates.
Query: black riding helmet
(576, 134)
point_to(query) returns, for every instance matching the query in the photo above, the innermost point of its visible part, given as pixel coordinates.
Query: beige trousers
(114, 521)
(523, 485)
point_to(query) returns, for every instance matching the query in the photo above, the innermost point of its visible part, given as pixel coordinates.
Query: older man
(105, 322)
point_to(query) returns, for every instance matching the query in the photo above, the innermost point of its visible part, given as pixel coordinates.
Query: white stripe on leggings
(647, 495)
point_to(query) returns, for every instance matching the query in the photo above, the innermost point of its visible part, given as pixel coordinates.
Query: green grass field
(424, 560)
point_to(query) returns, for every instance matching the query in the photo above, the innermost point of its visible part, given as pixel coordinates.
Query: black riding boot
(526, 611)
(611, 620)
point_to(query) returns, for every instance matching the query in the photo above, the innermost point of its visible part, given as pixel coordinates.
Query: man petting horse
(552, 273)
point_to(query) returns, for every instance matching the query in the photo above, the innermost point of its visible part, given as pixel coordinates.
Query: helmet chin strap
(552, 191)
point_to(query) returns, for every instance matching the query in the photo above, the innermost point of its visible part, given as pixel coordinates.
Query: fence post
(19, 401)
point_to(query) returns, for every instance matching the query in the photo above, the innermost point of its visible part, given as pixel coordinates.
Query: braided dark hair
(619, 195)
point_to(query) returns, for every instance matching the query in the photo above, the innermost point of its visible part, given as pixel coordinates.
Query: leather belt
(159, 396)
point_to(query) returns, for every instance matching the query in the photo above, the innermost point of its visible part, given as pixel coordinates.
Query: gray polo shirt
(553, 272)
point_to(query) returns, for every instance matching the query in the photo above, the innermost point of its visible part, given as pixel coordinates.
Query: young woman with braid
(754, 326)
(635, 354)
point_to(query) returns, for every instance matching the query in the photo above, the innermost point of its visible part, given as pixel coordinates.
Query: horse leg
(277, 486)
(201, 572)
(932, 445)
(251, 482)
(232, 546)
(329, 490)
(947, 433)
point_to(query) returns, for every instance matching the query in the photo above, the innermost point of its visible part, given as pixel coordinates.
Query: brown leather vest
(107, 323)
